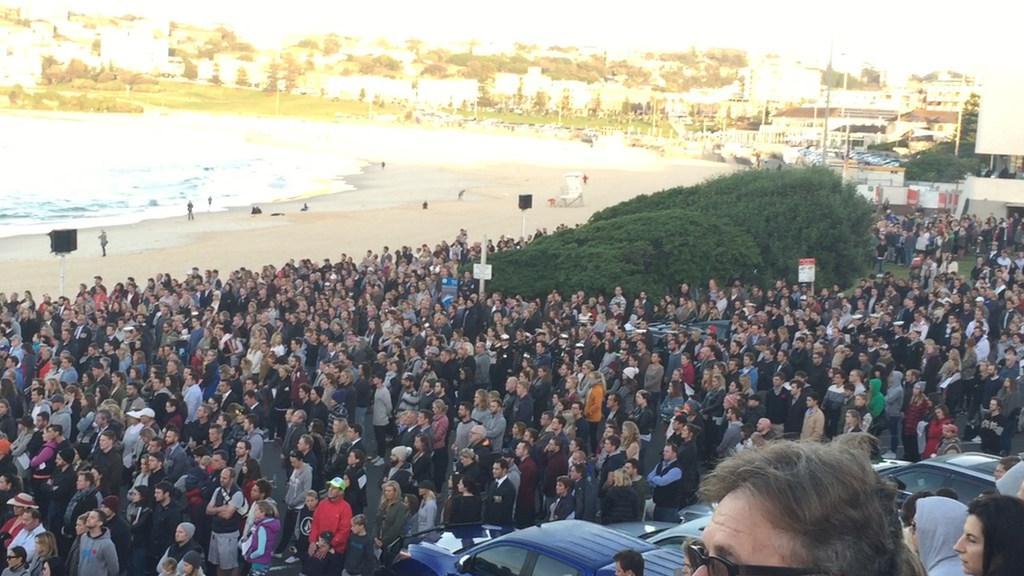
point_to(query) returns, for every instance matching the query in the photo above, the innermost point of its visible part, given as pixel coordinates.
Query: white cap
(144, 412)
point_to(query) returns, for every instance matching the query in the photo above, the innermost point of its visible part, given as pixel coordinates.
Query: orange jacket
(594, 409)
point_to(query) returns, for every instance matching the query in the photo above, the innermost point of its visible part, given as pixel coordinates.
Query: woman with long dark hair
(993, 543)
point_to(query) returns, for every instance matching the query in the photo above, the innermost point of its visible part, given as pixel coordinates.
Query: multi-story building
(776, 80)
(20, 60)
(141, 46)
(447, 92)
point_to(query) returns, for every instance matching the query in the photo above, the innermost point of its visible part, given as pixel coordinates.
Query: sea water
(103, 170)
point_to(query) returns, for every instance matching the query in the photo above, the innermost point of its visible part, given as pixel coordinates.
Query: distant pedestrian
(209, 203)
(190, 208)
(462, 193)
(382, 165)
(103, 242)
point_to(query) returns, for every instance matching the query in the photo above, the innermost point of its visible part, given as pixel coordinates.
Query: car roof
(582, 543)
(692, 529)
(975, 462)
(640, 529)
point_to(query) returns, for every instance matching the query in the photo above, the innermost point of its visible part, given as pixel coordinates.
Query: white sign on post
(482, 271)
(805, 271)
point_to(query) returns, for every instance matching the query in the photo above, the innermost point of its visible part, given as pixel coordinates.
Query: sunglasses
(697, 557)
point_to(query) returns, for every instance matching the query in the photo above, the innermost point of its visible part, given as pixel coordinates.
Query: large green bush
(652, 252)
(753, 225)
(791, 214)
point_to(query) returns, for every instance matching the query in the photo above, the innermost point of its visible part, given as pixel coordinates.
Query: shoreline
(383, 209)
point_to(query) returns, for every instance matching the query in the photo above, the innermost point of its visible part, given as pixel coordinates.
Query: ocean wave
(60, 174)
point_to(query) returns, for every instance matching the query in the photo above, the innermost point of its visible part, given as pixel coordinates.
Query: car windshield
(457, 539)
(982, 465)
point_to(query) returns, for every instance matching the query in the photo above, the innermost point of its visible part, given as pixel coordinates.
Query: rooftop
(932, 116)
(836, 112)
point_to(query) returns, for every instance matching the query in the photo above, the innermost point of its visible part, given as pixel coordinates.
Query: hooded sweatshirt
(894, 395)
(1010, 483)
(97, 556)
(939, 523)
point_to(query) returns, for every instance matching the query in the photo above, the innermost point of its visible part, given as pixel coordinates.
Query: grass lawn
(637, 127)
(240, 101)
(247, 102)
(900, 271)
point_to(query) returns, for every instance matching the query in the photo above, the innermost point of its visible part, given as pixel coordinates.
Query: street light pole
(960, 115)
(828, 106)
(483, 262)
(846, 121)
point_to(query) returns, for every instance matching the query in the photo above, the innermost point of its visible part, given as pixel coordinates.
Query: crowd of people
(138, 421)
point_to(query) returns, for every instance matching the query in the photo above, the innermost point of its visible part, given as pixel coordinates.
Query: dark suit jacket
(611, 463)
(499, 502)
(585, 497)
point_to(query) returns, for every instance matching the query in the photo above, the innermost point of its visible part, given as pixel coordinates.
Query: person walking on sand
(190, 208)
(103, 242)
(209, 203)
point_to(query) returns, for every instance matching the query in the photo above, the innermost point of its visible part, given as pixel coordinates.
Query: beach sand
(385, 209)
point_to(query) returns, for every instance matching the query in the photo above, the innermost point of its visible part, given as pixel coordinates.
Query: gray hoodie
(97, 556)
(940, 521)
(894, 395)
(1010, 483)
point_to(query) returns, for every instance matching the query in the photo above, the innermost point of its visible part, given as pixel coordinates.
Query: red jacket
(933, 435)
(334, 517)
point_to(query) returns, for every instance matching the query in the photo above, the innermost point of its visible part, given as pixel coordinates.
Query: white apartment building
(141, 47)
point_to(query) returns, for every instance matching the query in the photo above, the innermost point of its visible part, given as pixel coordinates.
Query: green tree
(792, 214)
(595, 104)
(191, 70)
(650, 251)
(76, 69)
(540, 101)
(332, 44)
(969, 126)
(273, 75)
(939, 164)
(565, 102)
(520, 97)
(484, 99)
(414, 45)
(16, 94)
(242, 77)
(292, 71)
(435, 70)
(216, 79)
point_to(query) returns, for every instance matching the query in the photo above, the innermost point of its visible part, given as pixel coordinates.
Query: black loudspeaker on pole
(63, 241)
(525, 201)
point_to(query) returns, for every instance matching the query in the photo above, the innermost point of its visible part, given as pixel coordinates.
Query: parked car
(969, 474)
(665, 535)
(641, 530)
(564, 548)
(695, 511)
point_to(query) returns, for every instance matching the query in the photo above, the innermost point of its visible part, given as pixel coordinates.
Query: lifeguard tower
(572, 190)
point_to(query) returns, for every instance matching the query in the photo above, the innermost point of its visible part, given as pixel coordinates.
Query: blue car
(565, 548)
